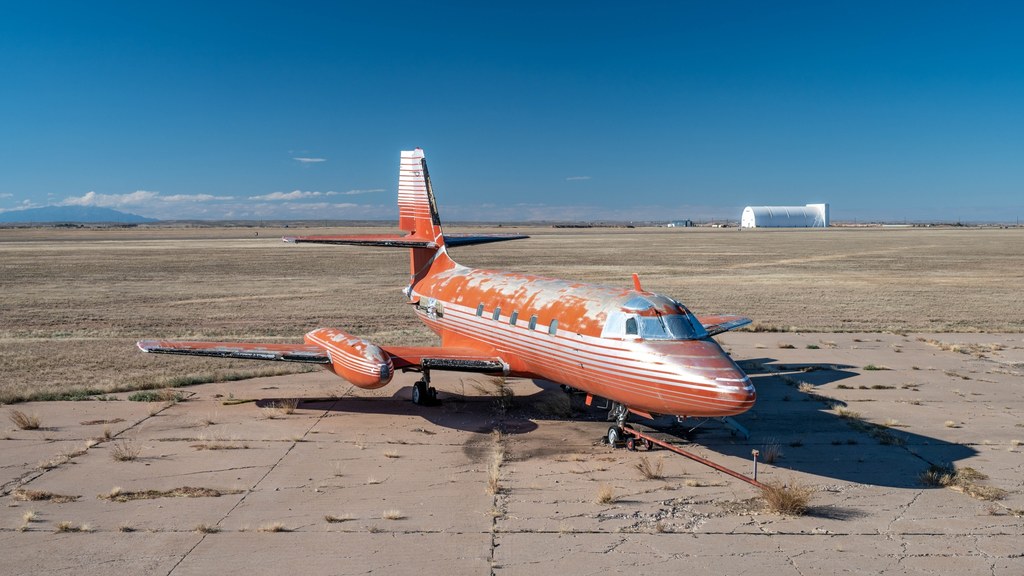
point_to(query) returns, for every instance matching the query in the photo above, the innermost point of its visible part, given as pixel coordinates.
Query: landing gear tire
(420, 393)
(648, 444)
(432, 394)
(614, 436)
(631, 444)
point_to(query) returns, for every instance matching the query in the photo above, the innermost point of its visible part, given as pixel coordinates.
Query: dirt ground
(901, 353)
(75, 300)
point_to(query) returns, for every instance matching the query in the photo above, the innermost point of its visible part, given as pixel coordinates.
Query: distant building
(679, 224)
(809, 216)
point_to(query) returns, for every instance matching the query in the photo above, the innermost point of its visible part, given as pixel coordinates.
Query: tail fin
(417, 217)
(417, 209)
(417, 212)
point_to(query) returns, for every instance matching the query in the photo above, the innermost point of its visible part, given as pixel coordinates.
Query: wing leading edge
(403, 357)
(243, 350)
(722, 323)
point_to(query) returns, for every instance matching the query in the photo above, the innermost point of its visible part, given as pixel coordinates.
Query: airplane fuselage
(579, 334)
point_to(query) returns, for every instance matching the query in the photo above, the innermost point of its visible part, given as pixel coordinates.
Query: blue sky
(574, 110)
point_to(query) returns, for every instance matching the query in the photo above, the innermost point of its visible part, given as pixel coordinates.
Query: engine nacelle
(357, 360)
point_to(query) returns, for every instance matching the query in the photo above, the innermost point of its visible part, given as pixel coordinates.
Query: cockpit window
(648, 322)
(631, 328)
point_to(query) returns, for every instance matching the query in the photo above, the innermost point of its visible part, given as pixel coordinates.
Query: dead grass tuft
(125, 450)
(650, 471)
(287, 406)
(392, 515)
(605, 494)
(554, 406)
(24, 421)
(497, 459)
(273, 527)
(119, 495)
(42, 496)
(68, 526)
(392, 454)
(338, 519)
(97, 422)
(218, 446)
(504, 397)
(206, 529)
(787, 500)
(847, 414)
(963, 480)
(771, 451)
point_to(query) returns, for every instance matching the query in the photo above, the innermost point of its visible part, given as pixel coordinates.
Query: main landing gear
(423, 394)
(617, 435)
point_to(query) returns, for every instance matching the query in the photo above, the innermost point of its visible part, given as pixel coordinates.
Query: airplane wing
(429, 357)
(440, 358)
(722, 323)
(245, 350)
(387, 240)
(404, 241)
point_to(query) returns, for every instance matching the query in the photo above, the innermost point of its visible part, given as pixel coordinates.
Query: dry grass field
(75, 300)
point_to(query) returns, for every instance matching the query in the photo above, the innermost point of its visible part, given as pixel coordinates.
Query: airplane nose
(735, 388)
(725, 388)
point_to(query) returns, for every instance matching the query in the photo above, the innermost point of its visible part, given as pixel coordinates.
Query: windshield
(670, 327)
(654, 327)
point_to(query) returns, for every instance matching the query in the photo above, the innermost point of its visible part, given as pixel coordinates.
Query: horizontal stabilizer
(470, 239)
(722, 323)
(243, 350)
(404, 241)
(388, 240)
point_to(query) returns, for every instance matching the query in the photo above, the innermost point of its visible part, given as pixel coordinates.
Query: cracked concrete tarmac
(365, 482)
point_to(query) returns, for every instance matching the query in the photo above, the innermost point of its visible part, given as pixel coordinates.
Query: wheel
(614, 436)
(648, 444)
(631, 444)
(432, 394)
(419, 393)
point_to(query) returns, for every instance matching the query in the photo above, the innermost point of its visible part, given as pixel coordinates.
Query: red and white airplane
(644, 352)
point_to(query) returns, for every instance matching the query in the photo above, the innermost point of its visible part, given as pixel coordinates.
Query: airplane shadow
(480, 414)
(812, 438)
(801, 425)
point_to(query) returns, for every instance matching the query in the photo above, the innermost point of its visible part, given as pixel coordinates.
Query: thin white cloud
(193, 198)
(293, 195)
(137, 198)
(307, 160)
(303, 194)
(6, 195)
(571, 178)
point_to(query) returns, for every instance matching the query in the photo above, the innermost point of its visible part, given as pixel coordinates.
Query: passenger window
(631, 327)
(553, 328)
(480, 310)
(497, 313)
(515, 316)
(533, 322)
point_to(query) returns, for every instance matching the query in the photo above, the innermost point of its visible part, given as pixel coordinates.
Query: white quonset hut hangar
(809, 216)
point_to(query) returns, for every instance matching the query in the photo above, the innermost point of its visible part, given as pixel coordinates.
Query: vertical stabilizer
(417, 210)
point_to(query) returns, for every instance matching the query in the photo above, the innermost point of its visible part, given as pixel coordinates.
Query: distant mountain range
(91, 214)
